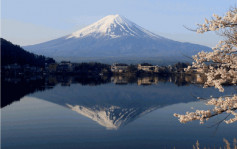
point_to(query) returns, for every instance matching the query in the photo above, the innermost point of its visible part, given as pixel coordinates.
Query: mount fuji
(115, 37)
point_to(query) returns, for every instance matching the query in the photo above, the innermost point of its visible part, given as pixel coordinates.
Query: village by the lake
(118, 74)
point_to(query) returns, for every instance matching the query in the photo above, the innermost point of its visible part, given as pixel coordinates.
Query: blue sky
(26, 22)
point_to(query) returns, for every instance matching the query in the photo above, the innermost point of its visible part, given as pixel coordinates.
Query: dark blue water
(111, 116)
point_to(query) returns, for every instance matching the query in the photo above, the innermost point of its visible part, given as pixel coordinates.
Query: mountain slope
(11, 54)
(115, 36)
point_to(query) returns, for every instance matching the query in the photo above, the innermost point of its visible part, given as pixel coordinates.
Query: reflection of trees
(93, 80)
(84, 80)
(15, 88)
(178, 79)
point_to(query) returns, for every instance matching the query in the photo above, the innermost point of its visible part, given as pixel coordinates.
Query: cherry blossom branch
(219, 67)
(221, 105)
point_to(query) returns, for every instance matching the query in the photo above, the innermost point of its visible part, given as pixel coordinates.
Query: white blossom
(219, 67)
(221, 104)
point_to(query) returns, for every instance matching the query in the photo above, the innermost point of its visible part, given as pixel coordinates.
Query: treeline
(16, 61)
(15, 90)
(91, 67)
(17, 87)
(95, 68)
(11, 54)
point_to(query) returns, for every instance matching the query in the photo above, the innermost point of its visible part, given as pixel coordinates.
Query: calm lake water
(110, 113)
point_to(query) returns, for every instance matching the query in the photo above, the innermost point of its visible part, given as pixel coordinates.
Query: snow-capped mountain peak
(117, 37)
(113, 26)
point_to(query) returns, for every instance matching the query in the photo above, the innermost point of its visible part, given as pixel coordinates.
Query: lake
(105, 113)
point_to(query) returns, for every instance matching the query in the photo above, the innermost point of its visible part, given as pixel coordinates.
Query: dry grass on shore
(227, 145)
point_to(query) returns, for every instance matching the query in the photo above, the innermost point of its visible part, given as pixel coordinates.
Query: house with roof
(119, 68)
(147, 67)
(64, 66)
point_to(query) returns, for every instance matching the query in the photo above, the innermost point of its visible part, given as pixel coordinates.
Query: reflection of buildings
(110, 106)
(64, 80)
(200, 79)
(119, 80)
(147, 80)
(111, 117)
(195, 78)
(179, 80)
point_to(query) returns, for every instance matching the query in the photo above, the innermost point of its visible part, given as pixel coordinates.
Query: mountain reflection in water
(109, 106)
(73, 112)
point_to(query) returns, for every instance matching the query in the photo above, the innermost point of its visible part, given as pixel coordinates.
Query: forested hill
(11, 54)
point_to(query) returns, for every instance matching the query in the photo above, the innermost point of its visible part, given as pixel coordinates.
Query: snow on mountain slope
(112, 117)
(113, 26)
(115, 36)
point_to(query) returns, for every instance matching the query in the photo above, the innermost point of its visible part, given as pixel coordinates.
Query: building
(52, 67)
(31, 69)
(64, 66)
(147, 67)
(13, 67)
(119, 68)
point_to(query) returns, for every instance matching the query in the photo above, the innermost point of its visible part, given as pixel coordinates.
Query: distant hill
(115, 38)
(11, 54)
